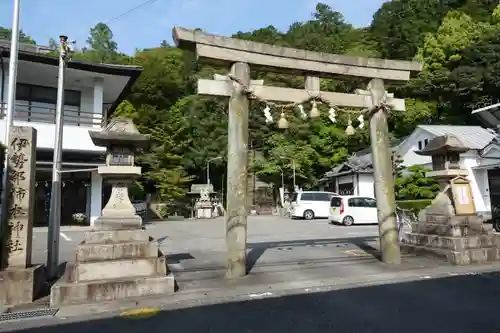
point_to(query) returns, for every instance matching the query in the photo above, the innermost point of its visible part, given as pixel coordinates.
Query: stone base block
(465, 257)
(106, 235)
(445, 219)
(64, 292)
(452, 230)
(118, 222)
(113, 251)
(21, 285)
(117, 269)
(113, 264)
(452, 243)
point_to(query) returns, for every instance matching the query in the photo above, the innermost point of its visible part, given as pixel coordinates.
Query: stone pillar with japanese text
(22, 167)
(20, 281)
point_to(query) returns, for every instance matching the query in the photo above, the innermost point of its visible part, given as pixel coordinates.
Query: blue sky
(149, 25)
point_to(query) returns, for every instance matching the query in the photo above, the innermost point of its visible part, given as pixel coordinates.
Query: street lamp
(208, 168)
(293, 168)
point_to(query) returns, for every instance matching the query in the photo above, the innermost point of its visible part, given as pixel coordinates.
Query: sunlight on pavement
(358, 253)
(142, 313)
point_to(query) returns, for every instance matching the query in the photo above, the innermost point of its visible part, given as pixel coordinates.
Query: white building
(482, 163)
(93, 91)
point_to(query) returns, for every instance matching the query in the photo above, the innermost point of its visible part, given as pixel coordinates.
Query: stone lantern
(117, 259)
(449, 227)
(122, 141)
(445, 152)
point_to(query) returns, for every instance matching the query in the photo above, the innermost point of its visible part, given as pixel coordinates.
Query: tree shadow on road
(455, 304)
(256, 250)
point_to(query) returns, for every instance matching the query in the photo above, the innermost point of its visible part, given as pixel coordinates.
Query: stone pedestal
(112, 265)
(460, 240)
(117, 259)
(21, 285)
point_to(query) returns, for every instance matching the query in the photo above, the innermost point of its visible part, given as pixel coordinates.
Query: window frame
(75, 101)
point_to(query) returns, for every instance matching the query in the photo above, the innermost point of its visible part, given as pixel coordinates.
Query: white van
(352, 209)
(311, 204)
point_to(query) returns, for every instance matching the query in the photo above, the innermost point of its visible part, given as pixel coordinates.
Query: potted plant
(79, 218)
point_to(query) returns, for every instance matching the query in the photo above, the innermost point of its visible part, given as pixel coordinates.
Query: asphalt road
(466, 304)
(204, 240)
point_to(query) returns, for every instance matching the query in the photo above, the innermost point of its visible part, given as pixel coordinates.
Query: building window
(420, 145)
(48, 95)
(38, 104)
(346, 189)
(426, 142)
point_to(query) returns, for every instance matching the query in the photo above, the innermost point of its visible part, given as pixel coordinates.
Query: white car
(352, 209)
(311, 204)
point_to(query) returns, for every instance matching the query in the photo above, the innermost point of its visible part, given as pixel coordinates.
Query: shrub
(414, 205)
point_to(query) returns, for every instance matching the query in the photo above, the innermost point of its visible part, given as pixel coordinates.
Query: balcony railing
(47, 114)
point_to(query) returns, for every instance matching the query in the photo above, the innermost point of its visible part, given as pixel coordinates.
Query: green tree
(417, 112)
(326, 32)
(53, 45)
(401, 26)
(164, 79)
(103, 48)
(415, 185)
(6, 33)
(441, 53)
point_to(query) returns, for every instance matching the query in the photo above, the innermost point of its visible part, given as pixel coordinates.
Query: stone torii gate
(240, 55)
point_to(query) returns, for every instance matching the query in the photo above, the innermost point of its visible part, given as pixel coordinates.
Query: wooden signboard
(462, 197)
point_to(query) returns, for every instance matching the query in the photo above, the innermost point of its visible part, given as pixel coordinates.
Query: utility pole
(9, 116)
(55, 194)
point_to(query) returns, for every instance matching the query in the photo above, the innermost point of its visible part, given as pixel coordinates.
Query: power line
(127, 12)
(144, 4)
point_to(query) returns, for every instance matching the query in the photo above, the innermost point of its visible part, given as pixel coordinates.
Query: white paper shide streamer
(267, 114)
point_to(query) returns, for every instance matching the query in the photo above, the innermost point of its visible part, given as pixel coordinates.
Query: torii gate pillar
(237, 178)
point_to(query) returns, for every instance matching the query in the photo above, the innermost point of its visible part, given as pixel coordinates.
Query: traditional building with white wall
(92, 93)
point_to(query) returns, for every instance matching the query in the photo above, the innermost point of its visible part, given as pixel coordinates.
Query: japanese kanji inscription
(21, 159)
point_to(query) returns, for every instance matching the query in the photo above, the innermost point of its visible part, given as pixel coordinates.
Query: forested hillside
(458, 41)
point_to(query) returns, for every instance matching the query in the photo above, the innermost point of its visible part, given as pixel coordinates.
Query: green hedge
(414, 205)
